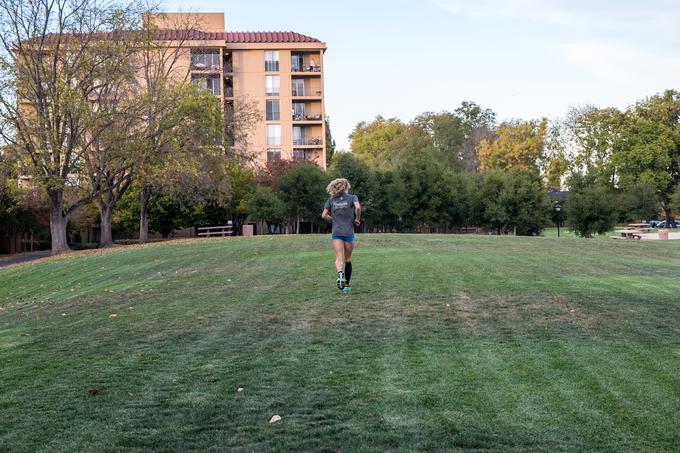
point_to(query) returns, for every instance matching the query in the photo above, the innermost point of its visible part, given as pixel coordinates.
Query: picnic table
(640, 226)
(629, 234)
(220, 230)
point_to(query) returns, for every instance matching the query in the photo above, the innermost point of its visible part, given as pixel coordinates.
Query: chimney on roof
(208, 22)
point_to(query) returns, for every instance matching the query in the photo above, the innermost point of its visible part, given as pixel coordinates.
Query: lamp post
(558, 208)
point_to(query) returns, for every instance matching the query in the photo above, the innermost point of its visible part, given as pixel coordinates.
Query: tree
(265, 206)
(431, 195)
(591, 207)
(646, 153)
(478, 124)
(302, 189)
(385, 202)
(374, 141)
(108, 165)
(512, 201)
(649, 149)
(517, 145)
(330, 143)
(447, 133)
(56, 56)
(592, 132)
(675, 200)
(168, 124)
(638, 202)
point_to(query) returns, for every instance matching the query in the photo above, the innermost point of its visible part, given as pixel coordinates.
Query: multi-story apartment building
(279, 73)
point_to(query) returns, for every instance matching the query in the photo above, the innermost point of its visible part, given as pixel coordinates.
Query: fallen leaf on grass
(275, 419)
(132, 394)
(113, 315)
(174, 381)
(93, 392)
(240, 389)
(24, 334)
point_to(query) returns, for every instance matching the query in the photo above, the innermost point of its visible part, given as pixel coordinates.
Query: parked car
(662, 224)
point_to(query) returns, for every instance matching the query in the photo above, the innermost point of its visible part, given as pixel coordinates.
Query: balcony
(306, 69)
(305, 62)
(202, 67)
(206, 60)
(308, 141)
(301, 92)
(307, 116)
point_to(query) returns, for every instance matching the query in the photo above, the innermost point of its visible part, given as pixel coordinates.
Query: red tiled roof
(191, 35)
(236, 37)
(253, 37)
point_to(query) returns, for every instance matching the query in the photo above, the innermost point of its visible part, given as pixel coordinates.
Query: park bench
(220, 230)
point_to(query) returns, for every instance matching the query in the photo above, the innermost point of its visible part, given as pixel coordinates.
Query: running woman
(344, 211)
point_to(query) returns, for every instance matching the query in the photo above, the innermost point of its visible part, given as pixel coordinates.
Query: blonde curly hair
(337, 186)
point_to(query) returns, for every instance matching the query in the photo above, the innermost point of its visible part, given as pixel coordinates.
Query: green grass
(446, 342)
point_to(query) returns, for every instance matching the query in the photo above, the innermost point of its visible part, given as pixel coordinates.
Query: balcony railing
(228, 92)
(307, 141)
(228, 67)
(303, 68)
(307, 116)
(205, 67)
(297, 92)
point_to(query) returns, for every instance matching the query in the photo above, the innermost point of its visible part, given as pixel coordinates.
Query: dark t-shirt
(342, 211)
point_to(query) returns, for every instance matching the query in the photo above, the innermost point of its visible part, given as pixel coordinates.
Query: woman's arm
(326, 215)
(357, 213)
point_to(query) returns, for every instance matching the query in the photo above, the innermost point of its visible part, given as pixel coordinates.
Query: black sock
(348, 271)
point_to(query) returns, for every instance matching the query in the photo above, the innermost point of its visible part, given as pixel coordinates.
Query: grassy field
(446, 342)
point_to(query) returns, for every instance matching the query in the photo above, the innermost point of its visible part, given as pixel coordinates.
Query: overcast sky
(521, 58)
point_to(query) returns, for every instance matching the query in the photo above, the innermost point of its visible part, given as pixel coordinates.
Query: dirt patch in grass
(464, 310)
(573, 313)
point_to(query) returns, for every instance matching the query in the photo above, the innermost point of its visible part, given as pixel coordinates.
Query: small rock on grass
(275, 418)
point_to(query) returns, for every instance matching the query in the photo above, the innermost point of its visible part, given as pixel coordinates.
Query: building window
(298, 111)
(272, 85)
(271, 61)
(273, 134)
(273, 154)
(205, 58)
(211, 83)
(298, 86)
(273, 110)
(299, 135)
(299, 154)
(297, 62)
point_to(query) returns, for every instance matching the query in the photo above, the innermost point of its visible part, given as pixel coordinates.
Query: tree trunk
(669, 219)
(144, 196)
(105, 212)
(58, 223)
(297, 225)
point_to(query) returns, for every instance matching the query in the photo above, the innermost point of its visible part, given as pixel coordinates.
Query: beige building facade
(279, 75)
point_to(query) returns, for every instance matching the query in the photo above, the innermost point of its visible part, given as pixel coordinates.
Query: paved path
(8, 260)
(655, 236)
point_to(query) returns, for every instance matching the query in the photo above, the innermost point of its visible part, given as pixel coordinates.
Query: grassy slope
(446, 341)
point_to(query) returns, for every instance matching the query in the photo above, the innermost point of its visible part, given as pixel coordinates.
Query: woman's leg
(349, 246)
(338, 249)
